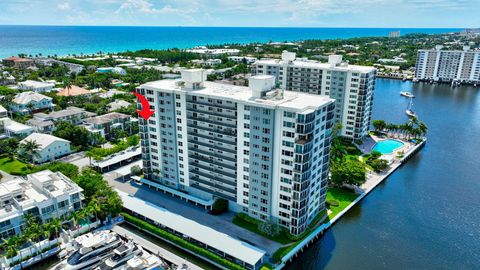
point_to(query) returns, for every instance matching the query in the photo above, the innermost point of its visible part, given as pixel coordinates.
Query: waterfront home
(49, 147)
(36, 86)
(73, 91)
(44, 194)
(118, 104)
(30, 102)
(104, 124)
(18, 62)
(74, 68)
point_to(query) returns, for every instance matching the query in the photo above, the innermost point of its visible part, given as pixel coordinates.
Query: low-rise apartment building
(31, 102)
(351, 86)
(263, 149)
(36, 86)
(104, 124)
(49, 147)
(45, 195)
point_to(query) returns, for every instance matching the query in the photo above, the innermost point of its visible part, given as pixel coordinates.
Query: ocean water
(63, 40)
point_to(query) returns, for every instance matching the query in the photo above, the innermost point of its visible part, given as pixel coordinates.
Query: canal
(426, 215)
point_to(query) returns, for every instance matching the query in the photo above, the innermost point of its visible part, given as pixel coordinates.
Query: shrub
(378, 165)
(269, 228)
(333, 203)
(219, 206)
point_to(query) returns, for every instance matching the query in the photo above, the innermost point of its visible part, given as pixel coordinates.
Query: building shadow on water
(316, 256)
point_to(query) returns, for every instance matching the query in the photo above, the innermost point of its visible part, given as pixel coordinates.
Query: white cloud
(64, 6)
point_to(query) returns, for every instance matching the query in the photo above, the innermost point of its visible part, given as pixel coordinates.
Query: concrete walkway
(157, 250)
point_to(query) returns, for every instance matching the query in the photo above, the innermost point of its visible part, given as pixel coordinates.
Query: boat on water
(409, 110)
(144, 261)
(407, 94)
(91, 249)
(120, 256)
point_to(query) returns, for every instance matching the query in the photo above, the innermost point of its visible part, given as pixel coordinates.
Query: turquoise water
(387, 146)
(63, 40)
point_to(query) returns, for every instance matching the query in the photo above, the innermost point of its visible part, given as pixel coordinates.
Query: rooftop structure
(73, 91)
(44, 194)
(118, 104)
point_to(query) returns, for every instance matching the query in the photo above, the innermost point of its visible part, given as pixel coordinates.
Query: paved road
(163, 253)
(222, 223)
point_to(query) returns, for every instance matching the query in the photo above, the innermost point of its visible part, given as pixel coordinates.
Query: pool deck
(373, 180)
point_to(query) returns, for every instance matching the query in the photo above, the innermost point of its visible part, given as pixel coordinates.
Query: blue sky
(309, 13)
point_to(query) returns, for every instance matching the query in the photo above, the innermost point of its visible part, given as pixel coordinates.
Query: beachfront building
(448, 65)
(36, 86)
(263, 149)
(18, 62)
(49, 147)
(45, 195)
(31, 102)
(213, 53)
(105, 124)
(351, 86)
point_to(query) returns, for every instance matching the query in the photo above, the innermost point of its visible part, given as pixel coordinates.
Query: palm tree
(31, 148)
(11, 246)
(94, 207)
(423, 128)
(55, 225)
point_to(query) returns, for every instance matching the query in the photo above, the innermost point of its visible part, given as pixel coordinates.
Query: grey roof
(70, 111)
(39, 123)
(29, 96)
(43, 140)
(106, 118)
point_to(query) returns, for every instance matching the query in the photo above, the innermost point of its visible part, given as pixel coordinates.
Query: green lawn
(252, 225)
(13, 166)
(343, 197)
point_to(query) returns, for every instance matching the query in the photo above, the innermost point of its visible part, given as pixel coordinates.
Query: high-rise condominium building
(448, 65)
(351, 86)
(263, 149)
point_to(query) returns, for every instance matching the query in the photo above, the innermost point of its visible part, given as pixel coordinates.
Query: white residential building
(44, 194)
(36, 86)
(29, 102)
(263, 149)
(448, 65)
(10, 128)
(50, 147)
(242, 59)
(213, 52)
(351, 86)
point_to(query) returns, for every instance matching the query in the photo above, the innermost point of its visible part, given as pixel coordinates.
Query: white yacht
(120, 256)
(407, 94)
(92, 248)
(144, 261)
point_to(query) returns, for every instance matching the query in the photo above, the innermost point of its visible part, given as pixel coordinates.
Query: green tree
(79, 136)
(379, 125)
(352, 172)
(30, 147)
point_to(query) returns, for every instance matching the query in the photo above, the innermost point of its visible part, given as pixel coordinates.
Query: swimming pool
(387, 146)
